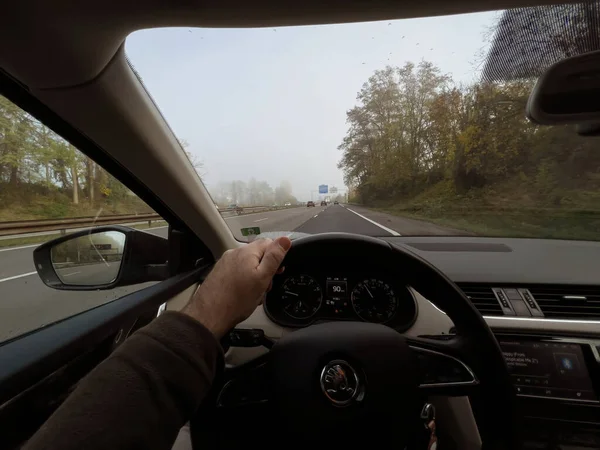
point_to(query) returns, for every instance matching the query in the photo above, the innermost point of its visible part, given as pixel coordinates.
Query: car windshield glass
(402, 127)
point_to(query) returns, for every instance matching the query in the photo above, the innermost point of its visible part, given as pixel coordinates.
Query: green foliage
(50, 210)
(420, 144)
(43, 176)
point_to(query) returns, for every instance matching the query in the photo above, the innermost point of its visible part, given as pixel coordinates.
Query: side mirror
(102, 258)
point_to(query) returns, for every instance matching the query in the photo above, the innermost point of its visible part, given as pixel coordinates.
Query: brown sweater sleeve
(142, 394)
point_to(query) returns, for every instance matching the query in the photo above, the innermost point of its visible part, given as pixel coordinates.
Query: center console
(557, 381)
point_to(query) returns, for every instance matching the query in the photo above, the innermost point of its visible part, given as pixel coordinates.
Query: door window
(48, 188)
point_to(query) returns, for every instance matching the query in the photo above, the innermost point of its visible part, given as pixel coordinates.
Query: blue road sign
(323, 189)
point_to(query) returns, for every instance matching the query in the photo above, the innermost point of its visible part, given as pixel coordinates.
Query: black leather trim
(27, 359)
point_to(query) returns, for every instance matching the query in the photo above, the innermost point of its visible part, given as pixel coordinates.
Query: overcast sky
(271, 103)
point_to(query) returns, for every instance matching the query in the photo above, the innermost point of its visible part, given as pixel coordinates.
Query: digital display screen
(337, 288)
(337, 297)
(548, 369)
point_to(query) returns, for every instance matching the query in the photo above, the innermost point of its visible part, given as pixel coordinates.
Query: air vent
(568, 302)
(482, 297)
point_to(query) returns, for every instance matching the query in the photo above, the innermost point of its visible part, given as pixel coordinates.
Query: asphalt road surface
(90, 274)
(27, 304)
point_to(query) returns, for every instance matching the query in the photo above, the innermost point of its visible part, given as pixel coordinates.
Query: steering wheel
(357, 383)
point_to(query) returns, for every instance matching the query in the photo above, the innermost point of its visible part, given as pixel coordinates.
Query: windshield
(404, 127)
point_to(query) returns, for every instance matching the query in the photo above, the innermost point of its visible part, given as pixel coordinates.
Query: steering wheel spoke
(246, 385)
(442, 371)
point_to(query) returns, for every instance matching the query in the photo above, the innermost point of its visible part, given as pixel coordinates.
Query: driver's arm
(149, 387)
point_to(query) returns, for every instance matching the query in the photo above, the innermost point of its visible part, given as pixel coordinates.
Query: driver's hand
(237, 284)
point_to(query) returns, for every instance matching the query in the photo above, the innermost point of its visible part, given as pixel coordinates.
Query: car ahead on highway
(336, 202)
(310, 203)
(287, 204)
(479, 295)
(323, 203)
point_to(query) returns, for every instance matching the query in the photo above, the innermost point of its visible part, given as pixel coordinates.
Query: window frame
(186, 251)
(36, 359)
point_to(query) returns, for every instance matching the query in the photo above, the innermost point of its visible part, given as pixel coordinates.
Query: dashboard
(303, 297)
(554, 361)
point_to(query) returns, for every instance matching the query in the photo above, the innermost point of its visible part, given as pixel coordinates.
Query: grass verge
(528, 223)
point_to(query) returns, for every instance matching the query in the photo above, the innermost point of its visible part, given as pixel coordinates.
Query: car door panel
(38, 370)
(26, 412)
(181, 299)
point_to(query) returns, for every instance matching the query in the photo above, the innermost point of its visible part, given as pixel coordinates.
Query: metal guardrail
(250, 210)
(35, 226)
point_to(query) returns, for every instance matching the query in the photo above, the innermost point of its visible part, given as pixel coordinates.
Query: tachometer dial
(374, 301)
(301, 296)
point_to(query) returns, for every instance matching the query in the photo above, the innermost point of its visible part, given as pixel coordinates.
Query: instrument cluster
(301, 299)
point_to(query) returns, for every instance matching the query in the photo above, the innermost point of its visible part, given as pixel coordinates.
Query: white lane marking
(260, 220)
(315, 216)
(19, 248)
(389, 230)
(17, 276)
(69, 274)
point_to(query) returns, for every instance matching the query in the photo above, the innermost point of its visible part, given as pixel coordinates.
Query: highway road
(27, 304)
(86, 274)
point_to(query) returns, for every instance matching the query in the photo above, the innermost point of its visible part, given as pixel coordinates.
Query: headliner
(63, 43)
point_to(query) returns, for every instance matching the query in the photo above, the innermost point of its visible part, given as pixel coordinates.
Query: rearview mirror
(569, 93)
(102, 258)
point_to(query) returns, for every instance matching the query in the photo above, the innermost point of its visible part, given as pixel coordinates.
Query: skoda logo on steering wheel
(340, 382)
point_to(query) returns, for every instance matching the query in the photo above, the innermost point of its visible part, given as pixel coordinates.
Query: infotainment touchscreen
(548, 369)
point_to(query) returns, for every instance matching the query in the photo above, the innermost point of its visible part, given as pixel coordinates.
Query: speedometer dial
(374, 301)
(301, 296)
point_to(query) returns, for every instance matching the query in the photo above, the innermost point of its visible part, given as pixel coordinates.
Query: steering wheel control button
(246, 338)
(340, 383)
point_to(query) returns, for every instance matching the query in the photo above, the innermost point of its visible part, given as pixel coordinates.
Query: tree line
(43, 175)
(418, 139)
(416, 134)
(252, 193)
